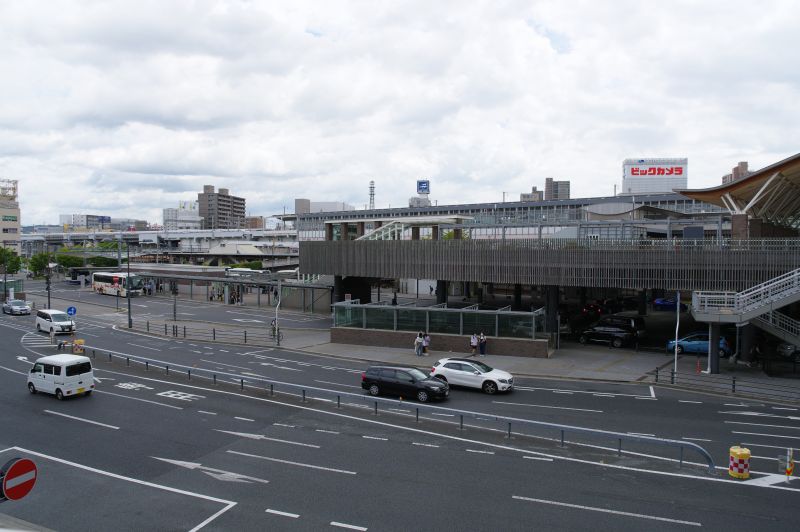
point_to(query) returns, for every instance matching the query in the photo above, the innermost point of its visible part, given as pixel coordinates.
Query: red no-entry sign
(18, 476)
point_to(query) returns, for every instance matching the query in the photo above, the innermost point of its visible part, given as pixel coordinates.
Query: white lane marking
(784, 408)
(769, 446)
(742, 404)
(139, 399)
(243, 418)
(375, 438)
(228, 504)
(534, 388)
(327, 431)
(82, 419)
(289, 462)
(603, 395)
(144, 347)
(692, 402)
(652, 392)
(338, 384)
(223, 351)
(204, 412)
(351, 527)
(646, 398)
(564, 392)
(284, 514)
(694, 439)
(757, 414)
(642, 471)
(607, 511)
(640, 434)
(765, 458)
(479, 452)
(769, 435)
(218, 363)
(547, 406)
(543, 459)
(284, 425)
(439, 414)
(267, 438)
(424, 444)
(763, 425)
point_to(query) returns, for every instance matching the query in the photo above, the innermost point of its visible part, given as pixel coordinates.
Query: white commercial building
(653, 176)
(186, 216)
(9, 215)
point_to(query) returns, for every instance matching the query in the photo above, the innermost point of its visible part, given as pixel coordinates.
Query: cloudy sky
(124, 108)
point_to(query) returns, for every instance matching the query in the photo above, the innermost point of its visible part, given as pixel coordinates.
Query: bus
(243, 272)
(117, 283)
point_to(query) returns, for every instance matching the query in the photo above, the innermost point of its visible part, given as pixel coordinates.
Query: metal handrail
(781, 321)
(264, 382)
(752, 298)
(732, 384)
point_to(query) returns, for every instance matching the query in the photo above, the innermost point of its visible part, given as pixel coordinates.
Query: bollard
(146, 365)
(184, 331)
(242, 383)
(94, 353)
(215, 378)
(619, 447)
(109, 357)
(338, 401)
(672, 378)
(733, 384)
(509, 429)
(213, 334)
(739, 462)
(189, 373)
(165, 329)
(680, 464)
(245, 336)
(167, 368)
(148, 325)
(271, 389)
(461, 424)
(127, 361)
(656, 374)
(304, 396)
(562, 437)
(376, 408)
(417, 414)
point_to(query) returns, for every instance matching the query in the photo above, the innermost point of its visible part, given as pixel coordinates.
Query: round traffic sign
(72, 311)
(19, 476)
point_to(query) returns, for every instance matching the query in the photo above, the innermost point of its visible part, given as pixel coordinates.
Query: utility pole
(278, 306)
(128, 287)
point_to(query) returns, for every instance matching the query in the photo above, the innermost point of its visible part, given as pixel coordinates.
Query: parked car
(473, 374)
(666, 303)
(633, 322)
(698, 343)
(592, 310)
(615, 335)
(403, 381)
(16, 306)
(788, 352)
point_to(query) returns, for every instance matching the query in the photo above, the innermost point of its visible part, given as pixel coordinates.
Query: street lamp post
(128, 286)
(277, 307)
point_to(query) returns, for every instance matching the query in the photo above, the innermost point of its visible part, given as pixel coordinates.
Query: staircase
(779, 325)
(392, 231)
(739, 307)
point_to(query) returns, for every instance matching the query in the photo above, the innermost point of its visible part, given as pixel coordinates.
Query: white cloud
(124, 108)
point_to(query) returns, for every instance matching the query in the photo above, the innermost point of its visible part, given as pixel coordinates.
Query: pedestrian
(482, 344)
(473, 343)
(418, 345)
(426, 343)
(394, 299)
(52, 336)
(430, 290)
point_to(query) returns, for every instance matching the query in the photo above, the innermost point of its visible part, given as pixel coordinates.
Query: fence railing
(752, 298)
(261, 336)
(392, 405)
(727, 384)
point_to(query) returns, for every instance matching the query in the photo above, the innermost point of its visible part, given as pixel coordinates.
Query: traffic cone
(697, 368)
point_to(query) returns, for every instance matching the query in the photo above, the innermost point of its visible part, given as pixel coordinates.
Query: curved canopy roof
(772, 193)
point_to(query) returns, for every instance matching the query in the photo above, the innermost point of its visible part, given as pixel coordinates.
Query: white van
(48, 320)
(62, 375)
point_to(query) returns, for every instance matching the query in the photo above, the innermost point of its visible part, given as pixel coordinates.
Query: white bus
(243, 272)
(117, 283)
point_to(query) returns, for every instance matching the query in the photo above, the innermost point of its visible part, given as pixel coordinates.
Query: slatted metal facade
(664, 264)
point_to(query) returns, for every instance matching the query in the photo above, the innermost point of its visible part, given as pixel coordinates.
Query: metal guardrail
(733, 385)
(212, 334)
(271, 385)
(750, 299)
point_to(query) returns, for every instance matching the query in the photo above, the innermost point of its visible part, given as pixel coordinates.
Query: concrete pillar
(739, 228)
(441, 292)
(747, 337)
(641, 305)
(328, 231)
(458, 233)
(338, 289)
(435, 232)
(479, 292)
(415, 233)
(713, 347)
(359, 229)
(466, 289)
(517, 302)
(551, 309)
(344, 230)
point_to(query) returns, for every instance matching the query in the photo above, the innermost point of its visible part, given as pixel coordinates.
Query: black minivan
(403, 381)
(616, 335)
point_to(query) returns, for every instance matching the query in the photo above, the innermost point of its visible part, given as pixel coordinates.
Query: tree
(69, 261)
(10, 261)
(38, 263)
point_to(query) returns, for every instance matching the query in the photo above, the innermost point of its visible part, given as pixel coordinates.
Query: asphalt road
(156, 451)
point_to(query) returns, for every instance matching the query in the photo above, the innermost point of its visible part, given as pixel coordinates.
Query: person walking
(482, 344)
(426, 343)
(418, 345)
(473, 343)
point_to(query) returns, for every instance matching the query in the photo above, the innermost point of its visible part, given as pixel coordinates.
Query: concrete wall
(459, 345)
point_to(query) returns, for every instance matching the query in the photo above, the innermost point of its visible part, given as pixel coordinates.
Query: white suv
(474, 374)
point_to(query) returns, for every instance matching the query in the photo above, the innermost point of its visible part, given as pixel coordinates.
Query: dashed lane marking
(763, 425)
(769, 435)
(289, 462)
(607, 511)
(692, 402)
(425, 444)
(208, 413)
(82, 419)
(694, 439)
(327, 431)
(345, 525)
(479, 451)
(284, 514)
(540, 458)
(243, 418)
(549, 406)
(284, 425)
(375, 438)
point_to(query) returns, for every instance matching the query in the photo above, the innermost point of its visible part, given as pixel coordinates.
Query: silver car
(788, 351)
(16, 306)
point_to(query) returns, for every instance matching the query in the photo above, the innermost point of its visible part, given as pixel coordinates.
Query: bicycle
(279, 335)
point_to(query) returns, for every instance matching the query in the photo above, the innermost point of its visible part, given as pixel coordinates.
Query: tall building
(84, 222)
(653, 176)
(186, 216)
(555, 190)
(535, 195)
(220, 210)
(739, 171)
(9, 214)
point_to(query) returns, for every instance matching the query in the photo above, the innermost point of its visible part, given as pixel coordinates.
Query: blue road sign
(72, 311)
(423, 186)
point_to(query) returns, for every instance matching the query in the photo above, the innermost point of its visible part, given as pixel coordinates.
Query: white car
(474, 374)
